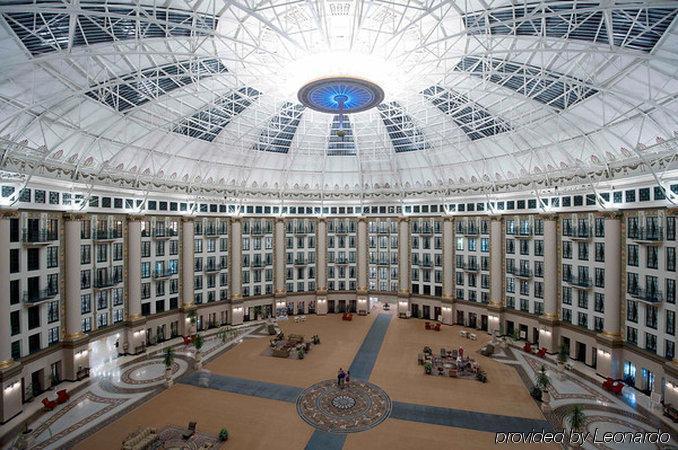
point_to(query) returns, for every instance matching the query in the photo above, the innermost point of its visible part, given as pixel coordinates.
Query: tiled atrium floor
(259, 398)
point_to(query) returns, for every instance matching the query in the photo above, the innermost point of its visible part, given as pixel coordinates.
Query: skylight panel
(471, 117)
(209, 122)
(632, 27)
(405, 135)
(137, 88)
(277, 136)
(341, 141)
(546, 86)
(44, 32)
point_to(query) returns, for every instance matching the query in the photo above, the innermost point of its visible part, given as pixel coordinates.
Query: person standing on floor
(339, 377)
(348, 378)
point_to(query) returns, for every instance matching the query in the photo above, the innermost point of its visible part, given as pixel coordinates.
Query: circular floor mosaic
(147, 372)
(349, 410)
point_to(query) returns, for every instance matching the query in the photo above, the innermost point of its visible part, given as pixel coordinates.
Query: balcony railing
(257, 263)
(578, 232)
(646, 295)
(211, 268)
(210, 231)
(653, 234)
(165, 233)
(578, 281)
(43, 236)
(164, 273)
(299, 261)
(106, 282)
(42, 295)
(106, 235)
(471, 266)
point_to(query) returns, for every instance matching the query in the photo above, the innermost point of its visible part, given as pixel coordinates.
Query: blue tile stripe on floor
(364, 360)
(322, 440)
(243, 386)
(471, 420)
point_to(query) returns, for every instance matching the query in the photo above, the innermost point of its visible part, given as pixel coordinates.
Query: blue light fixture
(340, 95)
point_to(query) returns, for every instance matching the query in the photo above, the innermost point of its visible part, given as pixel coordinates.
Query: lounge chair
(190, 431)
(63, 396)
(49, 404)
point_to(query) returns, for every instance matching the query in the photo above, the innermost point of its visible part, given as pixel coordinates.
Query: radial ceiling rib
(48, 30)
(135, 89)
(632, 27)
(277, 136)
(209, 122)
(471, 117)
(546, 86)
(341, 141)
(405, 135)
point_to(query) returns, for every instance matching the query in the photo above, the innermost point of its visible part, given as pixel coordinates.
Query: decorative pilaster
(5, 341)
(187, 262)
(135, 333)
(362, 256)
(279, 253)
(235, 271)
(496, 262)
(551, 281)
(448, 259)
(72, 225)
(321, 256)
(404, 242)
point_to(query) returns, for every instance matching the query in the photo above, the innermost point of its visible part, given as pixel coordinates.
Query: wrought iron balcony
(39, 237)
(578, 232)
(158, 274)
(106, 282)
(578, 281)
(164, 233)
(38, 296)
(211, 268)
(106, 235)
(644, 234)
(652, 295)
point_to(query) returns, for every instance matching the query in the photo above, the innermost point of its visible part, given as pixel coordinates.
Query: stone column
(549, 320)
(362, 255)
(235, 272)
(136, 322)
(610, 341)
(187, 275)
(10, 371)
(448, 271)
(72, 225)
(280, 257)
(321, 267)
(496, 261)
(5, 332)
(404, 264)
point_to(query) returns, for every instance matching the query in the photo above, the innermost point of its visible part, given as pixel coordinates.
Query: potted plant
(428, 367)
(300, 353)
(223, 434)
(542, 382)
(198, 342)
(576, 419)
(168, 360)
(28, 393)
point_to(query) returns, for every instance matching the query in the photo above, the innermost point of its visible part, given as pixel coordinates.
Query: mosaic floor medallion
(349, 410)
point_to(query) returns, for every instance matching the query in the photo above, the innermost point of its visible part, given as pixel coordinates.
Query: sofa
(140, 440)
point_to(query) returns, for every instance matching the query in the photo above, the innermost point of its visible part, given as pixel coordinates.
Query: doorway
(415, 310)
(353, 306)
(483, 322)
(594, 357)
(523, 331)
(342, 306)
(472, 320)
(437, 312)
(581, 352)
(330, 306)
(535, 335)
(427, 311)
(460, 318)
(36, 382)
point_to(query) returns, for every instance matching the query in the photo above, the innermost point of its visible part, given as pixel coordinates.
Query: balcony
(652, 296)
(161, 274)
(524, 233)
(341, 261)
(258, 263)
(106, 282)
(39, 296)
(210, 231)
(424, 263)
(578, 281)
(303, 229)
(260, 231)
(211, 268)
(166, 233)
(578, 232)
(472, 230)
(300, 261)
(38, 237)
(650, 236)
(470, 267)
(521, 272)
(106, 235)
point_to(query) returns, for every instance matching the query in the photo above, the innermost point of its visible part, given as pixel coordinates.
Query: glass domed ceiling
(477, 96)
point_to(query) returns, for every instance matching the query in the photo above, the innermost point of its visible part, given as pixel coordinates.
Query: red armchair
(527, 348)
(437, 327)
(542, 352)
(427, 325)
(613, 386)
(607, 384)
(49, 404)
(187, 341)
(63, 396)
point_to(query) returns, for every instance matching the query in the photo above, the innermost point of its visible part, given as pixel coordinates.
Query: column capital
(74, 217)
(362, 290)
(496, 217)
(279, 219)
(548, 216)
(135, 217)
(322, 219)
(322, 291)
(9, 214)
(236, 219)
(611, 340)
(188, 219)
(615, 214)
(448, 219)
(672, 211)
(403, 219)
(362, 219)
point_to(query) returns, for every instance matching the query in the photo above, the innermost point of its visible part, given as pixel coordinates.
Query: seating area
(141, 439)
(294, 345)
(347, 316)
(450, 363)
(613, 386)
(434, 327)
(468, 335)
(62, 397)
(671, 412)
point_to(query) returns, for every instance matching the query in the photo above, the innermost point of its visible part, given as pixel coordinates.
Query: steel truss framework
(141, 93)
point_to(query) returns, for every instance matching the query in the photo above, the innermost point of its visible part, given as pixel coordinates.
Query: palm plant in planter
(542, 383)
(428, 368)
(168, 359)
(576, 418)
(223, 434)
(198, 342)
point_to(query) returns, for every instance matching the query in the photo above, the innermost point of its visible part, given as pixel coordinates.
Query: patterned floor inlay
(206, 379)
(364, 360)
(359, 407)
(147, 372)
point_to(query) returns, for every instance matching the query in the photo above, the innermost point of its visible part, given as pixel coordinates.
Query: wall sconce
(543, 331)
(603, 353)
(188, 319)
(447, 309)
(237, 309)
(12, 387)
(494, 318)
(362, 300)
(81, 354)
(280, 304)
(402, 303)
(321, 300)
(671, 386)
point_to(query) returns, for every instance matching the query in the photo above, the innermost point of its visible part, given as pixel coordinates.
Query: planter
(169, 382)
(198, 360)
(545, 396)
